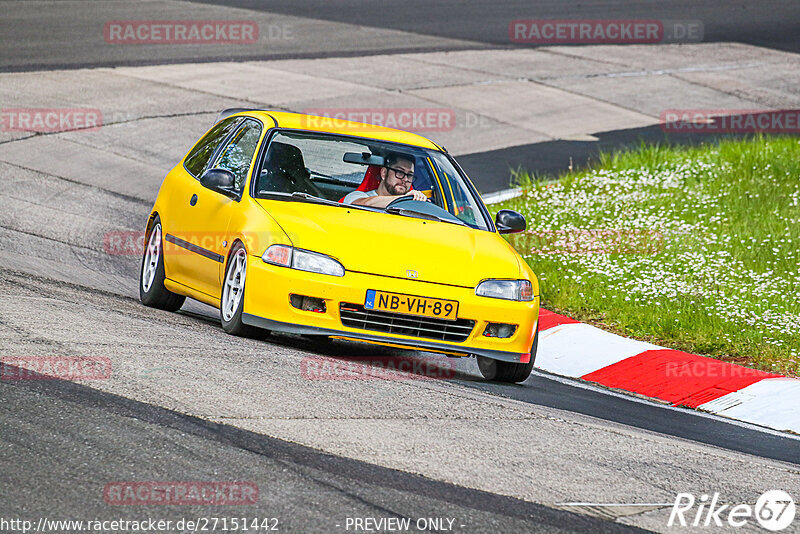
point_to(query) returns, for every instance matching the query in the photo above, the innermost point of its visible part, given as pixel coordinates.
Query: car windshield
(299, 164)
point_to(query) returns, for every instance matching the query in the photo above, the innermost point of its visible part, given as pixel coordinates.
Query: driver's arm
(383, 201)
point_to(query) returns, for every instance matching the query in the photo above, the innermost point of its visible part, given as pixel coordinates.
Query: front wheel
(511, 372)
(232, 299)
(151, 276)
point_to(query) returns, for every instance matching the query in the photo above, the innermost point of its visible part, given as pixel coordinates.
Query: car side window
(197, 160)
(464, 205)
(238, 153)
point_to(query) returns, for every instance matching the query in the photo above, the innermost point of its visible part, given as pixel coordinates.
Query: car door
(203, 230)
(180, 189)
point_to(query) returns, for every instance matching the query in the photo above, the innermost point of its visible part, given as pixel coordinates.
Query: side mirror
(220, 180)
(510, 222)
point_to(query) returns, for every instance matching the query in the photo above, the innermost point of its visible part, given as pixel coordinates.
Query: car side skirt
(289, 328)
(182, 289)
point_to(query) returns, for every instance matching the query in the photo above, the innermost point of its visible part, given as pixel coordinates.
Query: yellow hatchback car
(254, 221)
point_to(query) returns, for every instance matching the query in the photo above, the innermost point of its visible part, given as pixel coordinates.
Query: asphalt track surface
(40, 34)
(772, 23)
(108, 435)
(61, 441)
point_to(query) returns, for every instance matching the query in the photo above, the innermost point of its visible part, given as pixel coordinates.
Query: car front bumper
(267, 305)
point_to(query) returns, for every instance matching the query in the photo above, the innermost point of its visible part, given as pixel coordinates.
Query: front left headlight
(521, 290)
(302, 260)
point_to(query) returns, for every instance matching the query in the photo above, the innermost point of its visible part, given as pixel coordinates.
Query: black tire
(156, 295)
(510, 372)
(234, 325)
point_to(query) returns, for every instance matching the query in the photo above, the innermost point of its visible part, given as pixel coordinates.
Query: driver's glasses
(400, 174)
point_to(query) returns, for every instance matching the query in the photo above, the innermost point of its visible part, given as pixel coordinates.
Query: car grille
(356, 316)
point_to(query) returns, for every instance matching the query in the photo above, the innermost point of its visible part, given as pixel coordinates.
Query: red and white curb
(577, 350)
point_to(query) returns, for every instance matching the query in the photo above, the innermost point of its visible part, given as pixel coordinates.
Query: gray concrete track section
(497, 110)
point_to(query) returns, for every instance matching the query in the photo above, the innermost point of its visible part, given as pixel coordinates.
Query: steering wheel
(311, 187)
(404, 198)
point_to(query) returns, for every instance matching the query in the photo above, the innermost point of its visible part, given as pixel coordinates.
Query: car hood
(393, 245)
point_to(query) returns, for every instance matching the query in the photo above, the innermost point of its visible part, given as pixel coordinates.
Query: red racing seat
(371, 180)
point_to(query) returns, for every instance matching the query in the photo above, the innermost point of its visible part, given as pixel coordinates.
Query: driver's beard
(400, 189)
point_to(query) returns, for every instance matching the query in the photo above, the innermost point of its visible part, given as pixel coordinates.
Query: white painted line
(771, 402)
(614, 504)
(578, 349)
(661, 72)
(514, 192)
(501, 196)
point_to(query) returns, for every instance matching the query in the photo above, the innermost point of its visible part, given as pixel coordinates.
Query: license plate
(411, 305)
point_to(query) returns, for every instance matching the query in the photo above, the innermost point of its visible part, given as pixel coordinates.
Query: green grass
(700, 253)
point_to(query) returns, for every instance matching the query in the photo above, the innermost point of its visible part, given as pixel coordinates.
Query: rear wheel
(151, 276)
(500, 371)
(232, 299)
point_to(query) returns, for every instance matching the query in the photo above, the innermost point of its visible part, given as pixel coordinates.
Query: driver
(395, 182)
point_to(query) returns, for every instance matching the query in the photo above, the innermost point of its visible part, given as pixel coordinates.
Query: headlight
(505, 289)
(316, 263)
(302, 260)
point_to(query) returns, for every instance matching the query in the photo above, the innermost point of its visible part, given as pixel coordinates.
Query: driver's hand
(417, 195)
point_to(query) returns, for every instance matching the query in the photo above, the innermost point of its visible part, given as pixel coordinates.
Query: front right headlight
(520, 290)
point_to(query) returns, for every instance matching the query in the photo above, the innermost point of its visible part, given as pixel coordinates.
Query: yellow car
(253, 221)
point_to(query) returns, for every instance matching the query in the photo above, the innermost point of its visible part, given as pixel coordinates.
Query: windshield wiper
(312, 199)
(295, 195)
(320, 200)
(405, 212)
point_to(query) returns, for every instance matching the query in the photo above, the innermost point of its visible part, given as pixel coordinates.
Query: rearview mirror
(220, 180)
(510, 222)
(364, 158)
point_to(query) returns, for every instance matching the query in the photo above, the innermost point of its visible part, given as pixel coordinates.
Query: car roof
(314, 123)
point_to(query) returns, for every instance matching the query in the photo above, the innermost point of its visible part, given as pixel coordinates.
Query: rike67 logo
(774, 511)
